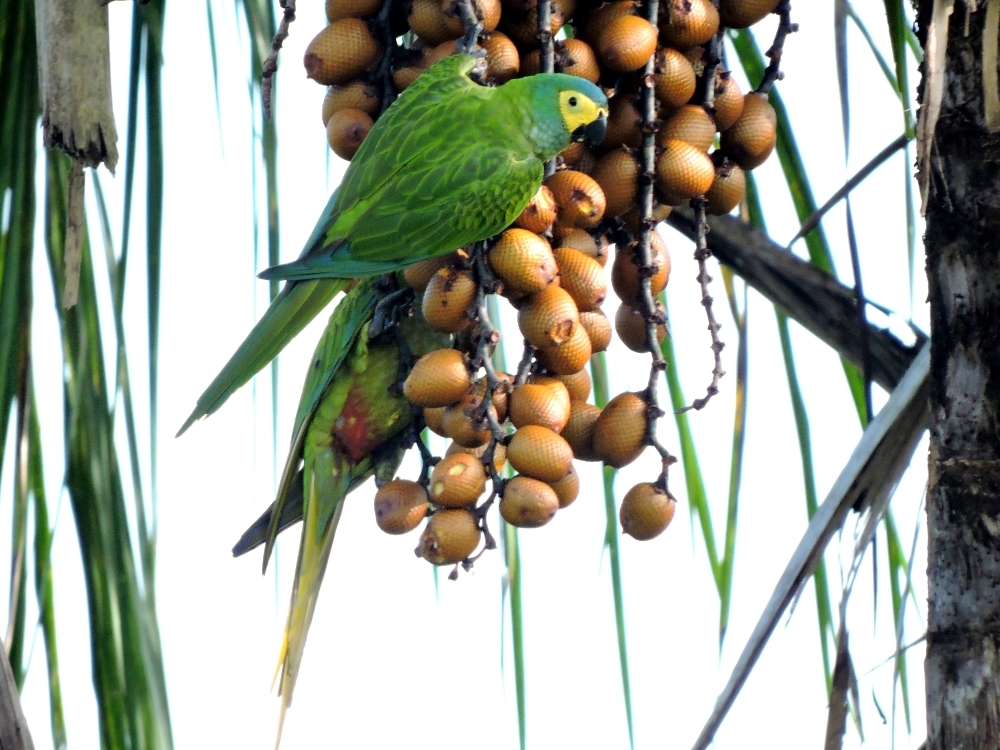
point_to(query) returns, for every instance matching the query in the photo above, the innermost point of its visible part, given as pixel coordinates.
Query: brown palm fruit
(354, 95)
(625, 277)
(567, 489)
(487, 11)
(528, 503)
(440, 52)
(459, 422)
(439, 378)
(501, 394)
(540, 212)
(688, 23)
(631, 328)
(448, 297)
(523, 261)
(739, 14)
(579, 430)
(750, 140)
(633, 220)
(558, 388)
(601, 18)
(577, 384)
(598, 329)
(457, 481)
(578, 59)
(337, 9)
(449, 537)
(499, 453)
(618, 175)
(418, 275)
(522, 27)
(341, 52)
(683, 172)
(728, 189)
(433, 419)
(582, 277)
(624, 122)
(429, 22)
(579, 199)
(728, 100)
(646, 511)
(691, 124)
(537, 404)
(531, 63)
(539, 453)
(549, 317)
(619, 431)
(582, 240)
(400, 506)
(567, 358)
(627, 43)
(346, 130)
(518, 5)
(404, 76)
(674, 77)
(579, 157)
(502, 59)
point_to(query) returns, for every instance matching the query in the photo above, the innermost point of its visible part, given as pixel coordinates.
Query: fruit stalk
(270, 66)
(785, 27)
(389, 46)
(546, 50)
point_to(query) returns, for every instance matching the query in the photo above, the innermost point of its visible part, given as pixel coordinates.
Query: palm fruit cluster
(551, 265)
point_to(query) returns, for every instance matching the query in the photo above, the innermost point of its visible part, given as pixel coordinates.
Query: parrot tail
(296, 305)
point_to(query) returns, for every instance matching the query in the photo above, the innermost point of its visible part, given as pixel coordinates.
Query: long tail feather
(291, 310)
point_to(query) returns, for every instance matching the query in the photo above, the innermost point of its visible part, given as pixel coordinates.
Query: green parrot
(349, 425)
(448, 164)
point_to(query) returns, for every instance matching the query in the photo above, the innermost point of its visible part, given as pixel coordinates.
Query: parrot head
(563, 109)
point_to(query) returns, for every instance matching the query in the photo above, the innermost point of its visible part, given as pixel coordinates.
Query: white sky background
(388, 663)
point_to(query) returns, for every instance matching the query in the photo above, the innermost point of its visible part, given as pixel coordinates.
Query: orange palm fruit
(539, 453)
(625, 277)
(578, 59)
(439, 52)
(487, 11)
(646, 511)
(568, 357)
(499, 453)
(688, 23)
(598, 329)
(549, 317)
(579, 199)
(683, 172)
(632, 218)
(750, 140)
(449, 537)
(528, 503)
(439, 378)
(674, 78)
(582, 277)
(582, 240)
(538, 404)
(447, 298)
(502, 59)
(523, 261)
(603, 16)
(577, 156)
(728, 188)
(540, 212)
(620, 430)
(341, 52)
(728, 100)
(567, 489)
(618, 175)
(433, 419)
(418, 275)
(346, 130)
(429, 22)
(354, 95)
(400, 506)
(457, 481)
(458, 421)
(630, 324)
(579, 430)
(739, 14)
(627, 43)
(578, 385)
(624, 122)
(691, 124)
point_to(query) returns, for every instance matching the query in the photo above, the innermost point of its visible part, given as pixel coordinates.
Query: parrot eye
(572, 101)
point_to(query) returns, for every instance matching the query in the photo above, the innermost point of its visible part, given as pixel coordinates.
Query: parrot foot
(388, 311)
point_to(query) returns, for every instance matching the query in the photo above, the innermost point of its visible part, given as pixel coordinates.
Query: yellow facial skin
(577, 109)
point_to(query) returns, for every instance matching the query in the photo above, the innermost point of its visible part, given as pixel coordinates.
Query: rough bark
(963, 499)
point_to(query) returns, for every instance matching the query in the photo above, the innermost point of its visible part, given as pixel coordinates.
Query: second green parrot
(449, 163)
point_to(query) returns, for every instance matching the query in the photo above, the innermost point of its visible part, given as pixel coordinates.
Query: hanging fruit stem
(546, 50)
(785, 27)
(270, 66)
(384, 74)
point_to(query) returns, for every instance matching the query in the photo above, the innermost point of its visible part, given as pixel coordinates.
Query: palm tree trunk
(961, 171)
